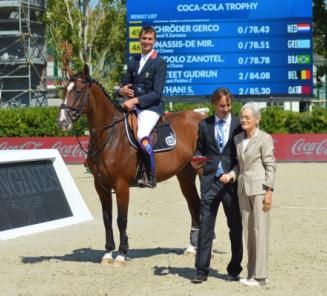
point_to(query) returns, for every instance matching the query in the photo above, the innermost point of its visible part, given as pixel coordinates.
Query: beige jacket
(256, 164)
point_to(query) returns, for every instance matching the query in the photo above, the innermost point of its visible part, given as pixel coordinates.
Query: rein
(77, 112)
(106, 127)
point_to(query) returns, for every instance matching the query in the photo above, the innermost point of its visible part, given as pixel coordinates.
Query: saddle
(163, 135)
(163, 139)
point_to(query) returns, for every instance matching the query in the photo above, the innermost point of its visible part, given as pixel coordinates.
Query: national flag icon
(303, 89)
(303, 58)
(303, 43)
(304, 74)
(303, 27)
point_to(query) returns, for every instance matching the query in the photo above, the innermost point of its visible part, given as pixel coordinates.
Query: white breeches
(146, 120)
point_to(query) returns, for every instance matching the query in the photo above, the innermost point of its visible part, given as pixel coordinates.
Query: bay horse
(113, 161)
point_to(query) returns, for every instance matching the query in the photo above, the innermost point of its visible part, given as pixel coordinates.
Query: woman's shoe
(252, 282)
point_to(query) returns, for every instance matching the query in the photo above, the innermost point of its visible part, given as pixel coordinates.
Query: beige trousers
(256, 229)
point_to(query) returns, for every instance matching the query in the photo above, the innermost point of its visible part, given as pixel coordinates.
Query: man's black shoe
(198, 279)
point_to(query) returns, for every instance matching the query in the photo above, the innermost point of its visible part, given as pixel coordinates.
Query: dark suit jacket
(208, 146)
(152, 76)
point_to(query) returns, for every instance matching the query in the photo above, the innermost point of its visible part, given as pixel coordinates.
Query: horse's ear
(86, 72)
(68, 53)
(69, 72)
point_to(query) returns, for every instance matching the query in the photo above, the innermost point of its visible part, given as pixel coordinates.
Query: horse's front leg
(186, 180)
(106, 203)
(122, 195)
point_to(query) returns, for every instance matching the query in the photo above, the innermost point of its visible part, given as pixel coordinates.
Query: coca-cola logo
(309, 148)
(72, 150)
(25, 145)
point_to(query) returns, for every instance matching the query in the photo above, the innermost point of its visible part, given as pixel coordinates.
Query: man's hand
(130, 104)
(225, 178)
(198, 166)
(126, 91)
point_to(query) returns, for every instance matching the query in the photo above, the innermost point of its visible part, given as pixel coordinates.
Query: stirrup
(143, 180)
(152, 181)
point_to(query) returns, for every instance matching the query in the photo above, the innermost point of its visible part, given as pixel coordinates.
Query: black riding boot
(150, 173)
(142, 180)
(148, 159)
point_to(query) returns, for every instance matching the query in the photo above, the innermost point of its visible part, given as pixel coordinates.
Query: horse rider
(143, 85)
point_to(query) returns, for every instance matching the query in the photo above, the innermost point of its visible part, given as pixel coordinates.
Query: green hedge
(34, 122)
(277, 121)
(182, 106)
(42, 121)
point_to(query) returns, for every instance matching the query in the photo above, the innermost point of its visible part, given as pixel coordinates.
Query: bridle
(76, 113)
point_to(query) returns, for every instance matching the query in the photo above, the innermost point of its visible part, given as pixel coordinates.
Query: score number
(133, 32)
(253, 45)
(253, 75)
(254, 91)
(243, 30)
(134, 47)
(261, 60)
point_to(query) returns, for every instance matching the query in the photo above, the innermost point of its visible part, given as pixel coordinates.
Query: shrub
(34, 122)
(42, 121)
(190, 106)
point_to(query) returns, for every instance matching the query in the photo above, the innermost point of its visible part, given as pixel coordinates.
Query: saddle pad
(163, 135)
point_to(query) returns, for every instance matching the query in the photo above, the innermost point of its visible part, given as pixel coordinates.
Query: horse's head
(75, 100)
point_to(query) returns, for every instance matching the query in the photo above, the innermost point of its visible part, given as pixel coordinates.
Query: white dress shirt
(143, 60)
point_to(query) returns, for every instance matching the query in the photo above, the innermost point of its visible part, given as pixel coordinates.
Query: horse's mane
(102, 88)
(116, 105)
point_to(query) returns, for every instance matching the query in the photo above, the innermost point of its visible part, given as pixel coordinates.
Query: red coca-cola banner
(68, 147)
(296, 147)
(300, 147)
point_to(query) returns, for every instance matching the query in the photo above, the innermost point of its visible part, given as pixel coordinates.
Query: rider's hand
(130, 104)
(126, 91)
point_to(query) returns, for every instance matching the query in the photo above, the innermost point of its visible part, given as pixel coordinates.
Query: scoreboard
(255, 48)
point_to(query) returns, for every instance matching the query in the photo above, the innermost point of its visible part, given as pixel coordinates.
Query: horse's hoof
(120, 261)
(107, 259)
(190, 251)
(189, 254)
(106, 262)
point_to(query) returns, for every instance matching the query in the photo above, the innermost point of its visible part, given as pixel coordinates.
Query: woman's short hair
(219, 93)
(254, 106)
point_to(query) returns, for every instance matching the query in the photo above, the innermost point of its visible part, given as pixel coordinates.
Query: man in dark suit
(143, 85)
(215, 142)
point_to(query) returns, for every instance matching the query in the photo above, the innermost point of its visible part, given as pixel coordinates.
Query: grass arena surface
(66, 261)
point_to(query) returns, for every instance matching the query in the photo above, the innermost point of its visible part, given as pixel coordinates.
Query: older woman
(255, 175)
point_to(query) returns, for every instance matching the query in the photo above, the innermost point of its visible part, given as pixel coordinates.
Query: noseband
(75, 113)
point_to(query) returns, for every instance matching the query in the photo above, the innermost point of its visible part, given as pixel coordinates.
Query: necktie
(221, 134)
(221, 144)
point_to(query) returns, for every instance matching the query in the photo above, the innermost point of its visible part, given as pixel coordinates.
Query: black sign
(30, 193)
